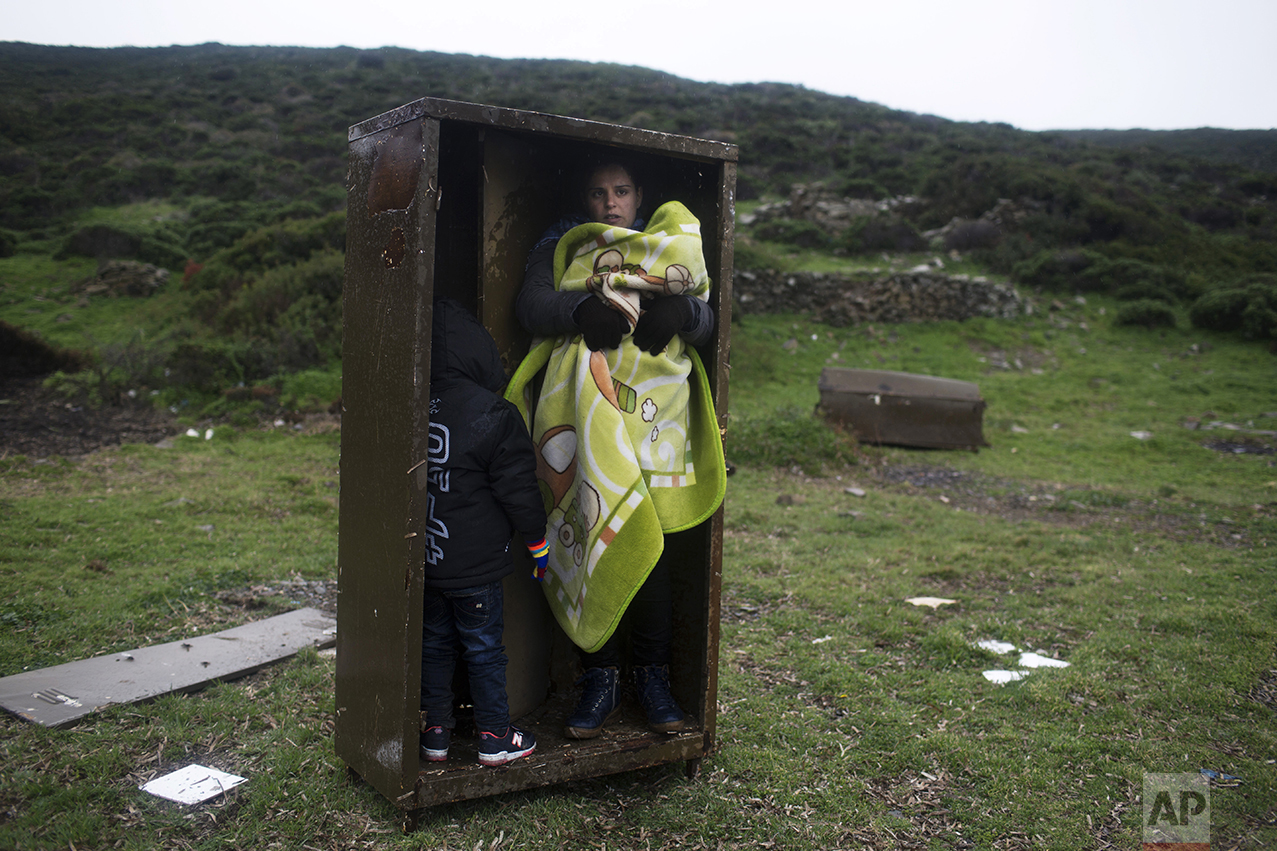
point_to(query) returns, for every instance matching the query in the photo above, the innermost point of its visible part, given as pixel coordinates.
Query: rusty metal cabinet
(446, 199)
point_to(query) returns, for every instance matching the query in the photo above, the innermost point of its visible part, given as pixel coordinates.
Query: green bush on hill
(799, 234)
(1084, 270)
(1250, 307)
(869, 235)
(1149, 312)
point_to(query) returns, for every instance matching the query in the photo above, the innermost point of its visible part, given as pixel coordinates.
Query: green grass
(165, 528)
(848, 718)
(40, 294)
(1065, 413)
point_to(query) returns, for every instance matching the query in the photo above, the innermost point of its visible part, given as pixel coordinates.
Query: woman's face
(612, 198)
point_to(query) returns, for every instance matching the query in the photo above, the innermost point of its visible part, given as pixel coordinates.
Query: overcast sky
(1036, 64)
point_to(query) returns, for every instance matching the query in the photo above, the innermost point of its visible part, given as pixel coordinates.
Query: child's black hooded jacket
(482, 475)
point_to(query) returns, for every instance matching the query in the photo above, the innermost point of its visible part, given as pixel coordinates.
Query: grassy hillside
(225, 165)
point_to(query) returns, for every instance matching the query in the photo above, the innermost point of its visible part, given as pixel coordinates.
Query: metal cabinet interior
(446, 199)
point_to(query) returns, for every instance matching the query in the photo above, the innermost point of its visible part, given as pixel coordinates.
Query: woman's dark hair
(595, 163)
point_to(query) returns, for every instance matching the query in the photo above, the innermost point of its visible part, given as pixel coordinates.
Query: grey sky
(1168, 64)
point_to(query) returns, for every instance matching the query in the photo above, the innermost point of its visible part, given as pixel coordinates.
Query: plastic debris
(1003, 677)
(854, 491)
(822, 640)
(1219, 778)
(192, 785)
(1028, 660)
(933, 602)
(1142, 435)
(1034, 660)
(208, 435)
(190, 432)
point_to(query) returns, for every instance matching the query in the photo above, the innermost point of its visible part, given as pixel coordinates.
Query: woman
(612, 195)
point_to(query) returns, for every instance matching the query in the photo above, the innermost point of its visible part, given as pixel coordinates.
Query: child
(481, 487)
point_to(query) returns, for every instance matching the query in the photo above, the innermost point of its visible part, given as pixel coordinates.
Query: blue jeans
(474, 619)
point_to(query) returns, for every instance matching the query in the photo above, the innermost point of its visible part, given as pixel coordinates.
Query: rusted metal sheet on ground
(904, 409)
(63, 694)
(444, 199)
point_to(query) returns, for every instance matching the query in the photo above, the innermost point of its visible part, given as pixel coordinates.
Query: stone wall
(840, 300)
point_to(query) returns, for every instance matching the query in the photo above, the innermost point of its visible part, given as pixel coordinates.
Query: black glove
(601, 326)
(664, 318)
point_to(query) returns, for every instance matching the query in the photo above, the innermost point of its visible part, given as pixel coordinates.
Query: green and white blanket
(628, 448)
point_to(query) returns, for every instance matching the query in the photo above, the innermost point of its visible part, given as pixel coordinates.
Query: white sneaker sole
(503, 757)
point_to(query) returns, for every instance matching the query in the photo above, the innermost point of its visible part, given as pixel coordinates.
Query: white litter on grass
(933, 602)
(192, 785)
(190, 432)
(822, 640)
(1003, 677)
(1033, 660)
(1028, 660)
(1142, 435)
(208, 435)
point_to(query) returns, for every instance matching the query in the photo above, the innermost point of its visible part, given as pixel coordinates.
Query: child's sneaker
(498, 750)
(434, 744)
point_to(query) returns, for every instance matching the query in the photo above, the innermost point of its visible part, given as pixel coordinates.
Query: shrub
(207, 366)
(967, 236)
(1056, 269)
(268, 247)
(1151, 313)
(110, 242)
(1107, 275)
(1144, 289)
(792, 232)
(859, 187)
(297, 307)
(749, 255)
(1090, 271)
(121, 371)
(868, 234)
(1250, 307)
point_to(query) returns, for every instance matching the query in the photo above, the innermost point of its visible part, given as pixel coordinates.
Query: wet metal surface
(385, 397)
(904, 409)
(63, 694)
(396, 168)
(456, 195)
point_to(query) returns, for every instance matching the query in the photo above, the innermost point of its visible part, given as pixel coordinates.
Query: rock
(125, 277)
(842, 300)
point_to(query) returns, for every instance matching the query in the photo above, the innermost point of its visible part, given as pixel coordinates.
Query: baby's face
(612, 198)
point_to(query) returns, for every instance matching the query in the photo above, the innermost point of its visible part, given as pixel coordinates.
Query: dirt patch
(316, 593)
(38, 423)
(1061, 505)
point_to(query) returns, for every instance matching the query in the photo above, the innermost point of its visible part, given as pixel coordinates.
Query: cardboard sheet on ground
(63, 694)
(192, 784)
